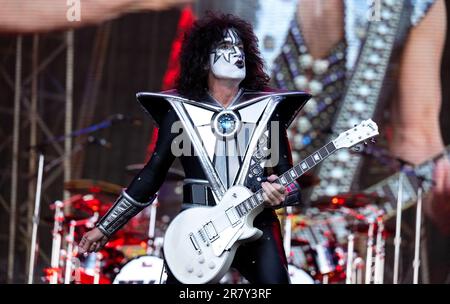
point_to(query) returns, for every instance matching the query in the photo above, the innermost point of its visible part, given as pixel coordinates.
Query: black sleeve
(284, 164)
(284, 152)
(148, 181)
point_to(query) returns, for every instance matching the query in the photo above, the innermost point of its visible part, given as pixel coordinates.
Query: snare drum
(145, 269)
(299, 276)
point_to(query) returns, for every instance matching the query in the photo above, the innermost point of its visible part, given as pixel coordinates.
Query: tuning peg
(356, 148)
(365, 143)
(372, 140)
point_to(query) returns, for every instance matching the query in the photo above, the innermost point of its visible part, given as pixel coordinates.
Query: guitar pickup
(211, 231)
(232, 216)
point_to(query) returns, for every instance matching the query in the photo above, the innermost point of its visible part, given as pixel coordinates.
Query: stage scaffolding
(41, 90)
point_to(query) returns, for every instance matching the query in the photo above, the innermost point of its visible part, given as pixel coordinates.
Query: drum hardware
(37, 205)
(416, 263)
(379, 251)
(319, 252)
(287, 233)
(398, 223)
(56, 243)
(70, 251)
(349, 272)
(357, 275)
(369, 253)
(296, 275)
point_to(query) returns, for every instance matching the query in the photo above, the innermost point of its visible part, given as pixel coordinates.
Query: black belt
(198, 194)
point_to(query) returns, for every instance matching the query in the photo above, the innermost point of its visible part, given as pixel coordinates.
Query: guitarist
(222, 94)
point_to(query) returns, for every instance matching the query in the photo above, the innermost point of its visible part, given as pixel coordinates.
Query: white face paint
(227, 59)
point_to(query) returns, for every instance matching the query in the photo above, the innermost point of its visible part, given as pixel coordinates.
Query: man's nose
(238, 53)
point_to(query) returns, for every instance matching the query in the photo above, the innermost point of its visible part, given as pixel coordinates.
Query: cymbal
(92, 186)
(173, 174)
(349, 199)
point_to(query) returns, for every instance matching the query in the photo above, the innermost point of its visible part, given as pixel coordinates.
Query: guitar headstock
(365, 130)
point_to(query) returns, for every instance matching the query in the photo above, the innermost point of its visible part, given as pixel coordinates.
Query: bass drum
(299, 276)
(145, 269)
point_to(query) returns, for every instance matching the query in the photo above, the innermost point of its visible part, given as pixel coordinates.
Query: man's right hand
(92, 241)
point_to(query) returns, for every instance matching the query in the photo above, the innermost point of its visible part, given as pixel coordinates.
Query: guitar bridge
(194, 243)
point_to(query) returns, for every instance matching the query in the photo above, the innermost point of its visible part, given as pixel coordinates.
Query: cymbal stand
(98, 259)
(398, 226)
(56, 242)
(379, 253)
(37, 204)
(369, 254)
(152, 226)
(287, 233)
(69, 253)
(358, 265)
(416, 263)
(350, 246)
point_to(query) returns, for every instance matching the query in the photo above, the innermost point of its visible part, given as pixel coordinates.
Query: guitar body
(200, 243)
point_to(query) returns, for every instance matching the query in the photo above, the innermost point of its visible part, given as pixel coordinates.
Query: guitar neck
(413, 177)
(288, 177)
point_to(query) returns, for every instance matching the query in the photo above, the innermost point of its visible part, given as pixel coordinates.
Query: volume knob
(189, 268)
(211, 265)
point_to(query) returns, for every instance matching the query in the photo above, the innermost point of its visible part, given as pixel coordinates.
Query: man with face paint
(227, 128)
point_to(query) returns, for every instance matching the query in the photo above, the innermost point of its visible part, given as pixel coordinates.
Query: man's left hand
(274, 194)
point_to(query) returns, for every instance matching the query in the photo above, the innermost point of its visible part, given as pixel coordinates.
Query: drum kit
(324, 244)
(133, 255)
(330, 241)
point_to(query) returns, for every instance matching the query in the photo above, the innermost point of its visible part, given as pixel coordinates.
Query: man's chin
(231, 76)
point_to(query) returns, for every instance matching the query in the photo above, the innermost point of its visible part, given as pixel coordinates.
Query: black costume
(212, 130)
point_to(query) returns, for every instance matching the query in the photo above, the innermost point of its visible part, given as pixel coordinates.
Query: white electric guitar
(200, 243)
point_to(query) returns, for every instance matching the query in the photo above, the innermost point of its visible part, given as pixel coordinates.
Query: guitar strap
(364, 86)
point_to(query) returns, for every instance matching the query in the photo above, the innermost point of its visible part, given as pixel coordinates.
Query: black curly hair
(197, 45)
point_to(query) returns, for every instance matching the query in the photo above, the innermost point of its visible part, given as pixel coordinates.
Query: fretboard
(287, 178)
(413, 176)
